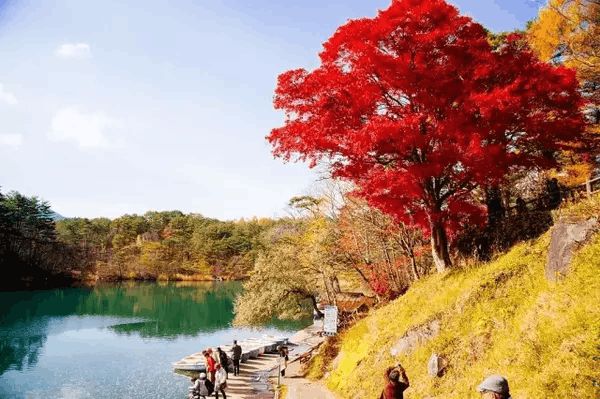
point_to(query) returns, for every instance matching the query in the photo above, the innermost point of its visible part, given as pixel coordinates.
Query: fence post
(588, 188)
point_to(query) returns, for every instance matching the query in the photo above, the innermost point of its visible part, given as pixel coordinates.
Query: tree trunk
(335, 284)
(439, 247)
(413, 266)
(313, 300)
(361, 274)
(326, 284)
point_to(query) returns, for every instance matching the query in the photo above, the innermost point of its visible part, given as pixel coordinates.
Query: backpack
(223, 359)
(205, 388)
(210, 387)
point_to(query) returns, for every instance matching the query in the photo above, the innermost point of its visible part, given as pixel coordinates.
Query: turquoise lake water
(113, 341)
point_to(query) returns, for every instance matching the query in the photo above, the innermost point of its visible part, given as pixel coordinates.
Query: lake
(113, 341)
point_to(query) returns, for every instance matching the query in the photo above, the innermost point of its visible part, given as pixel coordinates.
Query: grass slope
(501, 317)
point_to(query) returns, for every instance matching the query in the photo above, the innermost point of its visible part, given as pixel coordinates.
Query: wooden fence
(552, 200)
(592, 186)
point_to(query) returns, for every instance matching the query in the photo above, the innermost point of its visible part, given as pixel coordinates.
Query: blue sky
(112, 107)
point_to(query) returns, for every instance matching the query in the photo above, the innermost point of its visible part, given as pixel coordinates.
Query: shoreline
(52, 284)
(258, 378)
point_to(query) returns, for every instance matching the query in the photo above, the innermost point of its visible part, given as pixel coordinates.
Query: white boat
(251, 349)
(182, 365)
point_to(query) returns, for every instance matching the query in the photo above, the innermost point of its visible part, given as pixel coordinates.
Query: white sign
(330, 322)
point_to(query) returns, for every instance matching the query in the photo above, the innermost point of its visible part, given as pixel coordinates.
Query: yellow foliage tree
(568, 32)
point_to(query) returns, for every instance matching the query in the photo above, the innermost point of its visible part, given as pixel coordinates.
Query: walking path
(297, 385)
(253, 381)
(257, 375)
(300, 387)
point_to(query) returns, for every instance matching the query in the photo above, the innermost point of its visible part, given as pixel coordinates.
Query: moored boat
(251, 349)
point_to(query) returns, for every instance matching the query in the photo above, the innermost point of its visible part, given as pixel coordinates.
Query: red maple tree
(417, 109)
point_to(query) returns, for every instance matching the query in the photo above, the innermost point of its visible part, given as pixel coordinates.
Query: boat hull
(251, 349)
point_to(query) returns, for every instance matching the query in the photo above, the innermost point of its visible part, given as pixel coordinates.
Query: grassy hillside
(500, 317)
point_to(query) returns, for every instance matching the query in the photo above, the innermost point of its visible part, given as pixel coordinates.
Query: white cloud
(73, 50)
(11, 140)
(7, 97)
(88, 129)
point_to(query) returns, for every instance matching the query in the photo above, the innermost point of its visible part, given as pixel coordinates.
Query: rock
(436, 365)
(415, 337)
(566, 237)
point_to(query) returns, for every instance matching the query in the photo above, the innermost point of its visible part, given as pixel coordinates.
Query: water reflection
(166, 310)
(170, 310)
(125, 335)
(19, 352)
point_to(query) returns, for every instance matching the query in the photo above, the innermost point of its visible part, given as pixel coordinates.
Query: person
(210, 365)
(203, 387)
(553, 193)
(193, 394)
(220, 381)
(283, 358)
(494, 387)
(213, 354)
(316, 316)
(396, 382)
(237, 356)
(224, 360)
(521, 206)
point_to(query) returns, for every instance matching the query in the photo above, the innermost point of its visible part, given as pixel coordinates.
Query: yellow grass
(500, 317)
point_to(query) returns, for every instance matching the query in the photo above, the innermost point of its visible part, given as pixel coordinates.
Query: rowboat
(193, 362)
(251, 349)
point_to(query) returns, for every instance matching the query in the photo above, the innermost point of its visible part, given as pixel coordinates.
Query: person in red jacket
(210, 365)
(396, 383)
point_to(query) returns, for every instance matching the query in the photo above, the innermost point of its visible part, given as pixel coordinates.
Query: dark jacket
(237, 352)
(394, 389)
(223, 359)
(204, 387)
(283, 352)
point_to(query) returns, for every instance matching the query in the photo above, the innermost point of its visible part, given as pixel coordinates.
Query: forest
(456, 144)
(479, 166)
(37, 250)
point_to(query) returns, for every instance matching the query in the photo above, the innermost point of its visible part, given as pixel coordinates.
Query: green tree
(297, 267)
(29, 250)
(279, 286)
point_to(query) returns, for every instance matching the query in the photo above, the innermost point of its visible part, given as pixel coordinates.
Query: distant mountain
(57, 216)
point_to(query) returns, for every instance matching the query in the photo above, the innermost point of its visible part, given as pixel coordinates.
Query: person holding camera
(396, 382)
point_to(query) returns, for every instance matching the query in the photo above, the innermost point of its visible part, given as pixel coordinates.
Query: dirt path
(299, 387)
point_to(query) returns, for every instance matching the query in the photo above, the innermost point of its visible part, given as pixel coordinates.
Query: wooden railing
(563, 194)
(592, 186)
(586, 189)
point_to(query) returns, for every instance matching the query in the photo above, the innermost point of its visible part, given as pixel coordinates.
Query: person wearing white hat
(494, 387)
(203, 386)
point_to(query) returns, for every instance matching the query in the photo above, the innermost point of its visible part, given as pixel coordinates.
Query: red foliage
(417, 109)
(379, 284)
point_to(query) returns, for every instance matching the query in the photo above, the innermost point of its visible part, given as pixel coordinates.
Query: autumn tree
(417, 109)
(568, 32)
(387, 254)
(292, 273)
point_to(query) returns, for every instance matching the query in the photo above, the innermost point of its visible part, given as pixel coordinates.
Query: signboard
(330, 322)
